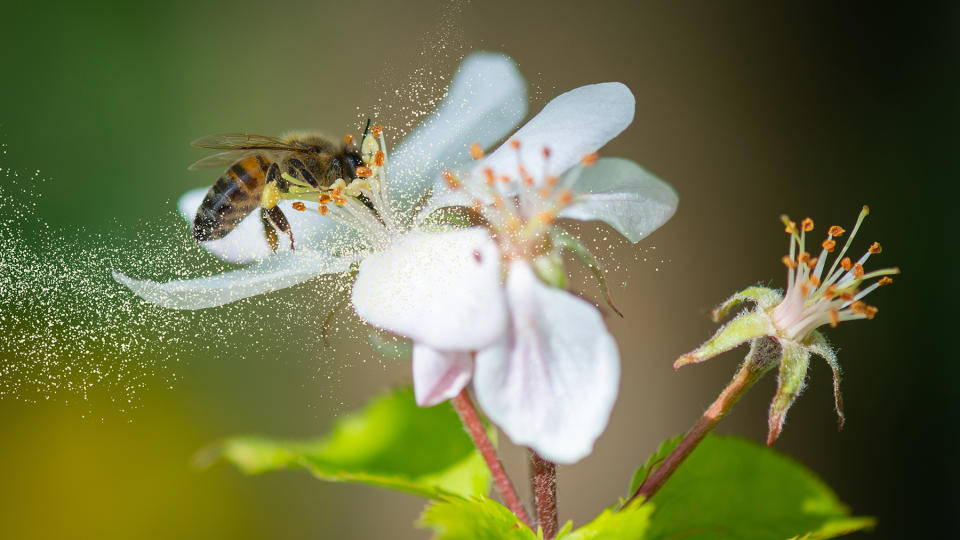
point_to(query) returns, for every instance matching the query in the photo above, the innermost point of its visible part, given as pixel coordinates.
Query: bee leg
(268, 231)
(274, 177)
(276, 217)
(304, 173)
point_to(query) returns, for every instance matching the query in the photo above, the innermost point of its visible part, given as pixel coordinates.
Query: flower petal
(246, 243)
(442, 290)
(439, 375)
(572, 125)
(270, 274)
(486, 100)
(552, 383)
(622, 194)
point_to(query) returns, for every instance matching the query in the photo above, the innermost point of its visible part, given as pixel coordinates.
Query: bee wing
(221, 160)
(243, 141)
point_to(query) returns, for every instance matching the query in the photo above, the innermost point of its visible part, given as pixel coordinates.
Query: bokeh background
(750, 109)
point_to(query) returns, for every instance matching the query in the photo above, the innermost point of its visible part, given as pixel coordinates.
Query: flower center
(814, 298)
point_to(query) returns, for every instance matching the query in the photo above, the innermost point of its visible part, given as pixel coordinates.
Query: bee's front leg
(278, 220)
(269, 231)
(304, 172)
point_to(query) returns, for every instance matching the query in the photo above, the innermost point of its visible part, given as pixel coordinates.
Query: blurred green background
(750, 109)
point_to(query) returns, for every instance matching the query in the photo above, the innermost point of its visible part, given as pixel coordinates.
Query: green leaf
(629, 522)
(653, 463)
(391, 443)
(622, 194)
(478, 518)
(730, 488)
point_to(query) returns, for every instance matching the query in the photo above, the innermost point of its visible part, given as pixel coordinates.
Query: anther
(803, 258)
(552, 180)
(528, 180)
(476, 152)
(339, 200)
(299, 206)
(379, 158)
(364, 172)
(885, 280)
(544, 192)
(834, 318)
(871, 312)
(804, 289)
(348, 139)
(565, 197)
(815, 281)
(806, 225)
(377, 130)
(515, 144)
(590, 159)
(546, 152)
(324, 198)
(875, 248)
(790, 227)
(490, 178)
(859, 307)
(858, 270)
(812, 262)
(846, 296)
(846, 264)
(836, 231)
(505, 179)
(830, 292)
(788, 262)
(546, 217)
(323, 209)
(829, 245)
(451, 180)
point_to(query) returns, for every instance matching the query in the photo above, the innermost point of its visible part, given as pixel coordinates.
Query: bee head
(351, 160)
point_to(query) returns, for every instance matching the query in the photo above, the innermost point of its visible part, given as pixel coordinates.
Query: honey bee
(255, 177)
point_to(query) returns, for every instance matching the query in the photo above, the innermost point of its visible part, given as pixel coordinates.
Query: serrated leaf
(653, 462)
(391, 443)
(630, 522)
(730, 488)
(476, 518)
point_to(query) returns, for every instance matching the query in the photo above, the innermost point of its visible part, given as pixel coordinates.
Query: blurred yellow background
(749, 110)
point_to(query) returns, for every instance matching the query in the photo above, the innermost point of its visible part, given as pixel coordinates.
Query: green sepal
(790, 383)
(563, 240)
(817, 344)
(761, 296)
(744, 327)
(391, 443)
(653, 462)
(549, 268)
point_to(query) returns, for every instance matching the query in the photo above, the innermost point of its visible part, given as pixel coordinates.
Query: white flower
(486, 99)
(544, 367)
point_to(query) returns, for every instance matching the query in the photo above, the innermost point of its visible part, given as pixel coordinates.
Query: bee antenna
(365, 131)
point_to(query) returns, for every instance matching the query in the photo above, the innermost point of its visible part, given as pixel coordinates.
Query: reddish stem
(471, 421)
(545, 494)
(743, 380)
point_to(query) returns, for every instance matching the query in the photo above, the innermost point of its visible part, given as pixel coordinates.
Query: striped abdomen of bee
(234, 195)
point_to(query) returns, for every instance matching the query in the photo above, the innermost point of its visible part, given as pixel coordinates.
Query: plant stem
(741, 382)
(544, 475)
(471, 421)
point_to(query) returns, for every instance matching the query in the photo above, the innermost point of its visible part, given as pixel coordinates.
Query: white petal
(486, 100)
(246, 243)
(624, 195)
(552, 384)
(439, 375)
(441, 289)
(273, 273)
(572, 125)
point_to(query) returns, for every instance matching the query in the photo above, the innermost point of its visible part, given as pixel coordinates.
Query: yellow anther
(552, 180)
(836, 231)
(324, 198)
(323, 209)
(299, 206)
(858, 270)
(379, 158)
(590, 159)
(489, 177)
(790, 227)
(515, 144)
(804, 289)
(875, 248)
(546, 217)
(565, 197)
(788, 262)
(815, 281)
(830, 292)
(812, 262)
(806, 225)
(476, 152)
(377, 130)
(452, 181)
(364, 172)
(834, 318)
(871, 312)
(803, 258)
(339, 200)
(846, 264)
(885, 280)
(829, 245)
(348, 139)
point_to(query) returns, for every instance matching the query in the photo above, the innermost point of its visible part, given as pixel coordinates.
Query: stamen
(451, 179)
(348, 139)
(815, 281)
(836, 231)
(339, 200)
(812, 262)
(859, 307)
(804, 289)
(379, 158)
(789, 226)
(590, 160)
(324, 198)
(806, 225)
(565, 197)
(834, 318)
(377, 130)
(546, 217)
(505, 179)
(299, 206)
(875, 248)
(830, 292)
(803, 258)
(323, 209)
(552, 180)
(829, 245)
(364, 172)
(858, 271)
(476, 152)
(885, 280)
(871, 312)
(846, 264)
(789, 262)
(490, 178)
(515, 144)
